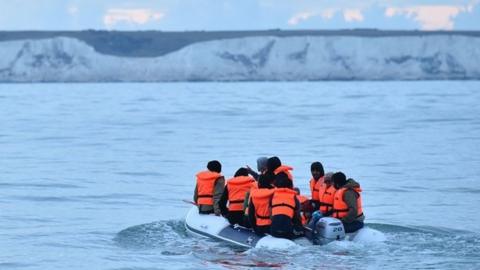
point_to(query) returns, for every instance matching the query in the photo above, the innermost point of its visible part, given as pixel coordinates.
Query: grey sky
(175, 15)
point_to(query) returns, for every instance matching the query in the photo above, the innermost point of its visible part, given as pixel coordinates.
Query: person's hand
(298, 233)
(317, 215)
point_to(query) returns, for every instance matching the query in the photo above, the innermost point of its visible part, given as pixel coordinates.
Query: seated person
(234, 195)
(285, 215)
(209, 189)
(259, 207)
(347, 204)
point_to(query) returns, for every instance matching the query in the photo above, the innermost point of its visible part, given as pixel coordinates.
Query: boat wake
(170, 238)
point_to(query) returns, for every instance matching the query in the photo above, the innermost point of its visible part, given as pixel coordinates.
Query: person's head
(339, 179)
(241, 172)
(328, 179)
(262, 164)
(282, 181)
(273, 163)
(317, 170)
(264, 183)
(297, 190)
(214, 166)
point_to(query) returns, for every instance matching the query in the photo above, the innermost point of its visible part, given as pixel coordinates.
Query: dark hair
(241, 172)
(264, 182)
(214, 166)
(273, 163)
(318, 167)
(282, 181)
(339, 179)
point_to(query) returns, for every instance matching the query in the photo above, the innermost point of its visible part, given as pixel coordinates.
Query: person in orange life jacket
(272, 164)
(326, 194)
(285, 210)
(274, 167)
(209, 189)
(234, 194)
(246, 200)
(347, 204)
(305, 206)
(317, 180)
(259, 207)
(261, 167)
(326, 201)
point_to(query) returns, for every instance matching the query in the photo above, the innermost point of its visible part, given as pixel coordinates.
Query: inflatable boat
(327, 229)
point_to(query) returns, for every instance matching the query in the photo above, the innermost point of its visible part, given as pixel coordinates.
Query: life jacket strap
(236, 201)
(261, 217)
(283, 204)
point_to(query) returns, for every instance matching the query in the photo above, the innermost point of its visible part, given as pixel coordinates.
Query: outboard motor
(326, 230)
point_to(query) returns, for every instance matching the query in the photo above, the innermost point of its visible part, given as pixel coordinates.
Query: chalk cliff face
(251, 58)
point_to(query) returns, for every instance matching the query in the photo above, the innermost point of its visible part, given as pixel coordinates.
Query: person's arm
(223, 202)
(245, 201)
(315, 204)
(297, 219)
(195, 195)
(253, 173)
(251, 214)
(350, 198)
(217, 194)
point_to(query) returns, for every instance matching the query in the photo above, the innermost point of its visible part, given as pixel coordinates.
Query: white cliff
(252, 58)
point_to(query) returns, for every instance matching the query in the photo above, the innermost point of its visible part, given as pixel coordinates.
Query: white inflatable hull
(218, 227)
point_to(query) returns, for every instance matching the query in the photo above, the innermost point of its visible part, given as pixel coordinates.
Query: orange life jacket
(315, 187)
(285, 169)
(326, 196)
(260, 198)
(205, 187)
(245, 210)
(283, 202)
(340, 208)
(302, 199)
(237, 188)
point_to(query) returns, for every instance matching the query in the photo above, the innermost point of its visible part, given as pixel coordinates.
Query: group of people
(268, 202)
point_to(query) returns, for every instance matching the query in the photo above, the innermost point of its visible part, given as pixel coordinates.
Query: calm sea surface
(92, 176)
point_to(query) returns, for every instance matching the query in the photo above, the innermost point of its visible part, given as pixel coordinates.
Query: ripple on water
(167, 235)
(410, 246)
(39, 185)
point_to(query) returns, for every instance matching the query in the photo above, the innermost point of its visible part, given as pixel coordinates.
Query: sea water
(92, 176)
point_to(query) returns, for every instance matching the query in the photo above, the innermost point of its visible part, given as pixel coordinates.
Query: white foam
(270, 242)
(369, 235)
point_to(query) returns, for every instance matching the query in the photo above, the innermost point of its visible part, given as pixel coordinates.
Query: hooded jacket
(350, 197)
